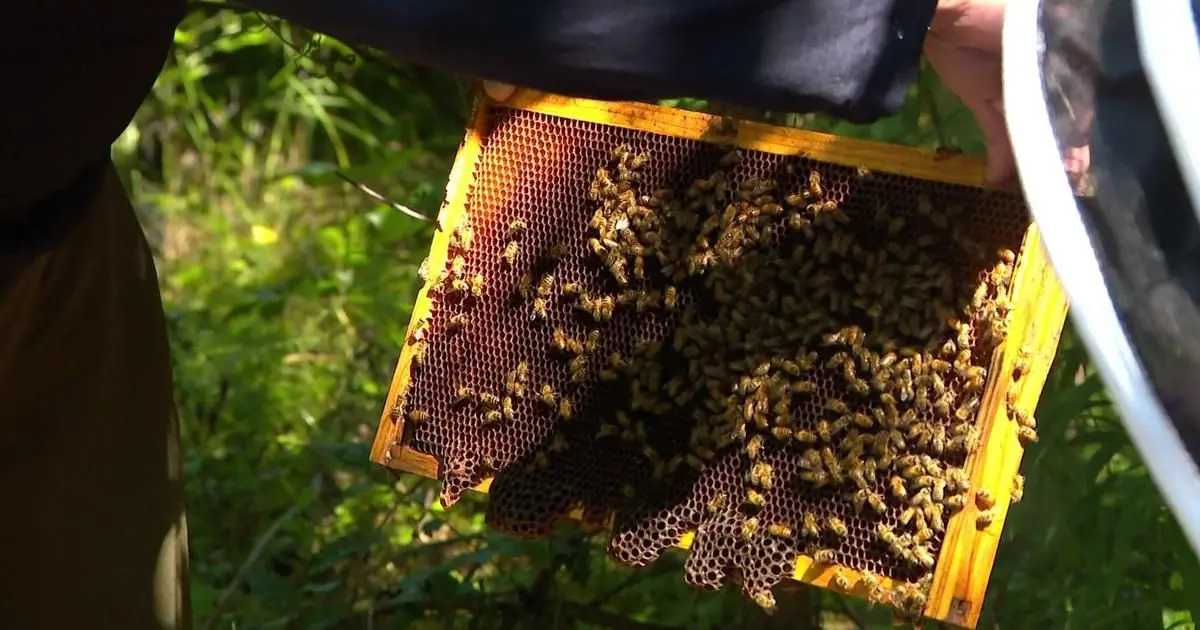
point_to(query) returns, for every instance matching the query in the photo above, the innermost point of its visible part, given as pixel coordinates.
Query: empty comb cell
(792, 354)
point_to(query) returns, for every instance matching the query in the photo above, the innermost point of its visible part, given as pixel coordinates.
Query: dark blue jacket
(853, 59)
(80, 68)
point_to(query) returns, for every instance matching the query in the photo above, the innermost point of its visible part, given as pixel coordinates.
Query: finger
(497, 91)
(1077, 162)
(1001, 167)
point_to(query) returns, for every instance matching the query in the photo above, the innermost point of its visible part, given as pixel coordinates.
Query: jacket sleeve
(853, 59)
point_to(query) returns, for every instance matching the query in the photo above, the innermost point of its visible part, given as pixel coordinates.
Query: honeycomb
(663, 335)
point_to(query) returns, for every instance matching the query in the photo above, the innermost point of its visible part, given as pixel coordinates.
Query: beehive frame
(1039, 310)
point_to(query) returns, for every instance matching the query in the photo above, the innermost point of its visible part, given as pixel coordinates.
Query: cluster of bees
(849, 346)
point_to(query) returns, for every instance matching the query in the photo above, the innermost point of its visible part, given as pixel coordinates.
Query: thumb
(497, 91)
(1001, 167)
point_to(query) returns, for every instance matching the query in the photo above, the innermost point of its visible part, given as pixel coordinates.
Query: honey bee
(464, 394)
(1018, 488)
(780, 530)
(539, 308)
(873, 586)
(506, 406)
(559, 340)
(825, 430)
(803, 387)
(966, 410)
(1022, 418)
(761, 474)
(565, 408)
(985, 518)
(716, 503)
(840, 581)
(749, 528)
(975, 376)
(933, 514)
(604, 308)
(876, 502)
(1021, 367)
(578, 368)
(964, 443)
(938, 493)
(569, 289)
(418, 354)
(940, 366)
(782, 433)
(457, 323)
(492, 417)
(754, 446)
(957, 478)
(670, 297)
(923, 556)
(817, 478)
(963, 361)
(804, 436)
(516, 228)
(545, 286)
(754, 500)
(511, 250)
(489, 401)
(814, 185)
(837, 527)
(462, 237)
(824, 556)
(898, 487)
(417, 416)
(477, 284)
(1027, 435)
(955, 502)
(984, 499)
(765, 600)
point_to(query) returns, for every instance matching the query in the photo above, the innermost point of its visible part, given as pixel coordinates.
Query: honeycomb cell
(709, 316)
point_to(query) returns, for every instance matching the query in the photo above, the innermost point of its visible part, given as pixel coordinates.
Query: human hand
(963, 46)
(497, 91)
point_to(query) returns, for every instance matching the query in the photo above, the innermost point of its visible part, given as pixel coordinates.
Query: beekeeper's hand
(498, 92)
(963, 46)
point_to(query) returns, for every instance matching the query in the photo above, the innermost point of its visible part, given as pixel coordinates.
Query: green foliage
(288, 291)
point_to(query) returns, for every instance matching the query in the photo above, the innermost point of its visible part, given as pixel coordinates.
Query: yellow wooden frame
(1039, 312)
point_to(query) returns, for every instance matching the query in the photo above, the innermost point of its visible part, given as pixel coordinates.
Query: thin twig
(260, 546)
(928, 98)
(381, 199)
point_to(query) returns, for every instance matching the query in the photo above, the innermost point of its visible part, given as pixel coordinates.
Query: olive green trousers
(92, 528)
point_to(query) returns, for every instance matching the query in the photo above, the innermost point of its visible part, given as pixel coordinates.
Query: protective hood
(1096, 96)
